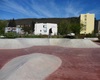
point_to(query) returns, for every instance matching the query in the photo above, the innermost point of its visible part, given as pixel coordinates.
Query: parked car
(2, 36)
(71, 36)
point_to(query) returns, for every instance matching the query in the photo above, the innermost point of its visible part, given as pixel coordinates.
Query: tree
(3, 24)
(27, 29)
(71, 25)
(75, 28)
(64, 27)
(12, 23)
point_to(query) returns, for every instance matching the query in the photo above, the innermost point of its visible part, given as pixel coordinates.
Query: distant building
(88, 21)
(37, 28)
(11, 27)
(39, 25)
(43, 28)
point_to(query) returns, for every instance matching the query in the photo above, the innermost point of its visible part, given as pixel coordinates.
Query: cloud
(73, 8)
(40, 8)
(14, 7)
(96, 11)
(30, 9)
(45, 8)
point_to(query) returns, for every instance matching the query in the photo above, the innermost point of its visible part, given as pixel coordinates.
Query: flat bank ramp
(74, 43)
(35, 66)
(29, 42)
(10, 44)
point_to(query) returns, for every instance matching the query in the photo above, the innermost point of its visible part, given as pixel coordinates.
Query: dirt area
(77, 63)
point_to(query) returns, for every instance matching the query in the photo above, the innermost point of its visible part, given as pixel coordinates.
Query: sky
(16, 9)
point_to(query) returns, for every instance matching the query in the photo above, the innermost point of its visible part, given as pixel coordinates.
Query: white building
(43, 28)
(40, 29)
(13, 29)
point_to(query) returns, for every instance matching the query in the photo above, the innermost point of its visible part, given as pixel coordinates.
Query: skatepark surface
(49, 59)
(34, 66)
(29, 42)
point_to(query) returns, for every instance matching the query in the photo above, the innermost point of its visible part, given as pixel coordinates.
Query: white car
(2, 36)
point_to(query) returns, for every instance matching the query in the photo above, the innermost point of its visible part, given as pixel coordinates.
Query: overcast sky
(47, 8)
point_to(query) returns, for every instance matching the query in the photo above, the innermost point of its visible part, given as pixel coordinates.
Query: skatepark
(49, 59)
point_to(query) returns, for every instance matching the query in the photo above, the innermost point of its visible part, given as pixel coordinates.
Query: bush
(81, 36)
(11, 35)
(90, 35)
(39, 36)
(34, 36)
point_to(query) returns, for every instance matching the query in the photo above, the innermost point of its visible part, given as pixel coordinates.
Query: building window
(84, 28)
(85, 22)
(85, 16)
(9, 28)
(14, 28)
(45, 28)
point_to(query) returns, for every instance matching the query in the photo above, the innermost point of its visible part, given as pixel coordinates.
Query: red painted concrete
(77, 63)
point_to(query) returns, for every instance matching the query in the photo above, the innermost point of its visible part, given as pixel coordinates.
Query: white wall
(43, 28)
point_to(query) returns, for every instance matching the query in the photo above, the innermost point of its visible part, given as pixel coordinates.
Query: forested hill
(45, 20)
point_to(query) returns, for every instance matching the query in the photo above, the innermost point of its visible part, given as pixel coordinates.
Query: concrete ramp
(10, 44)
(34, 42)
(59, 42)
(29, 42)
(74, 43)
(30, 67)
(82, 43)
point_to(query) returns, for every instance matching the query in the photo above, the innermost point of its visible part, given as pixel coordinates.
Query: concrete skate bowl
(76, 59)
(25, 43)
(35, 66)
